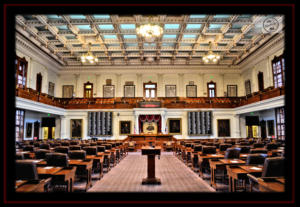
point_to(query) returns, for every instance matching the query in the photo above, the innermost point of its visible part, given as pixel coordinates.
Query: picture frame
(129, 91)
(223, 127)
(51, 89)
(191, 91)
(231, 90)
(125, 127)
(68, 91)
(76, 128)
(28, 130)
(170, 90)
(174, 126)
(108, 91)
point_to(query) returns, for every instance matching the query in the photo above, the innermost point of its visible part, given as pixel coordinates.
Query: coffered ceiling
(114, 40)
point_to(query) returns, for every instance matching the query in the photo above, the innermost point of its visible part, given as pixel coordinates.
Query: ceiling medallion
(89, 56)
(211, 57)
(149, 31)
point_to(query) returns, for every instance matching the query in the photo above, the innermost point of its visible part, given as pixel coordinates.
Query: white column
(221, 93)
(269, 72)
(136, 121)
(200, 86)
(116, 120)
(76, 90)
(139, 85)
(57, 127)
(97, 85)
(160, 84)
(235, 127)
(118, 86)
(184, 125)
(242, 126)
(84, 127)
(180, 91)
(63, 127)
(163, 122)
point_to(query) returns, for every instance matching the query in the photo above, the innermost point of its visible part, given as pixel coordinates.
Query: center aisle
(128, 174)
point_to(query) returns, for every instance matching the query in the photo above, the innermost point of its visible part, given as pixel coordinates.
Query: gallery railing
(174, 102)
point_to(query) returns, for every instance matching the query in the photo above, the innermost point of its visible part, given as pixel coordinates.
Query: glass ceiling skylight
(129, 36)
(193, 26)
(215, 26)
(169, 36)
(62, 27)
(77, 16)
(53, 16)
(110, 36)
(172, 26)
(127, 26)
(106, 27)
(101, 16)
(222, 16)
(84, 27)
(189, 36)
(197, 16)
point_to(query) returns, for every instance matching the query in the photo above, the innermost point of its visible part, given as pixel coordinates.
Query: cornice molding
(267, 50)
(35, 53)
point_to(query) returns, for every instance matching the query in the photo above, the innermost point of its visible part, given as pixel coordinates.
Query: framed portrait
(223, 128)
(28, 130)
(76, 128)
(191, 91)
(170, 90)
(125, 127)
(129, 91)
(270, 125)
(51, 89)
(232, 90)
(68, 91)
(108, 91)
(174, 125)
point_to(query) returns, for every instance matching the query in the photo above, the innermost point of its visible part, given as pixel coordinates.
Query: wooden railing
(176, 102)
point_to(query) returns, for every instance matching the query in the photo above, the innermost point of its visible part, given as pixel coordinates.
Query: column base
(151, 181)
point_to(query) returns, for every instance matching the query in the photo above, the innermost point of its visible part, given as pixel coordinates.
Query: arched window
(211, 89)
(278, 67)
(88, 90)
(150, 90)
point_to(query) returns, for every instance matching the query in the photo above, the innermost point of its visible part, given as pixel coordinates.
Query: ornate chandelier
(89, 56)
(211, 57)
(149, 31)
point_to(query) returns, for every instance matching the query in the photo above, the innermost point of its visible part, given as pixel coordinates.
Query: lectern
(151, 152)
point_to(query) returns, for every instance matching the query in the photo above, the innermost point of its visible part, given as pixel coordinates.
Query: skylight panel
(193, 26)
(168, 44)
(226, 36)
(149, 44)
(169, 36)
(101, 16)
(131, 44)
(62, 27)
(236, 26)
(197, 16)
(106, 27)
(77, 16)
(221, 16)
(171, 26)
(189, 36)
(53, 16)
(215, 26)
(129, 36)
(70, 37)
(127, 26)
(84, 27)
(110, 36)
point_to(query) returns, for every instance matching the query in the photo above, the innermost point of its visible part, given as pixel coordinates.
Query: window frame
(214, 89)
(275, 60)
(24, 71)
(86, 89)
(246, 82)
(155, 89)
(20, 125)
(280, 112)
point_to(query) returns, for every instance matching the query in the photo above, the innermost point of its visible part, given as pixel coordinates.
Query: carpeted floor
(128, 174)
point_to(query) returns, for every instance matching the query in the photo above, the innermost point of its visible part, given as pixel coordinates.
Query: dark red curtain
(150, 118)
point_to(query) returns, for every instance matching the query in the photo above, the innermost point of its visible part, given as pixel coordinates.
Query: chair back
(29, 148)
(256, 159)
(272, 146)
(75, 147)
(36, 144)
(77, 154)
(273, 167)
(62, 149)
(208, 149)
(41, 153)
(57, 159)
(256, 151)
(19, 156)
(101, 148)
(223, 147)
(93, 144)
(44, 146)
(245, 149)
(90, 150)
(198, 148)
(74, 143)
(65, 144)
(232, 153)
(26, 170)
(188, 145)
(258, 145)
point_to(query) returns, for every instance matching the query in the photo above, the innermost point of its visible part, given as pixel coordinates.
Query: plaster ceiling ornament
(168, 39)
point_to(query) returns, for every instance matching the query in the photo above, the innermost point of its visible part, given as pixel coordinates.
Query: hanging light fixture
(150, 30)
(211, 57)
(89, 57)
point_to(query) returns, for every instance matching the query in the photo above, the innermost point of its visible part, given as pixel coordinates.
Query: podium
(151, 152)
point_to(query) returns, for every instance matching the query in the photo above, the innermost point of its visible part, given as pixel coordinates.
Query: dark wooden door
(223, 128)
(39, 78)
(260, 77)
(36, 130)
(263, 129)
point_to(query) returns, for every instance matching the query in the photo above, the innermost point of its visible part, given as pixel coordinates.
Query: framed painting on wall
(223, 128)
(191, 91)
(28, 130)
(174, 125)
(125, 127)
(232, 90)
(76, 128)
(170, 90)
(51, 89)
(108, 91)
(129, 91)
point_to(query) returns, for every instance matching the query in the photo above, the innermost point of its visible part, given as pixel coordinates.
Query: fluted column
(63, 127)
(180, 89)
(118, 86)
(98, 85)
(139, 85)
(160, 84)
(76, 89)
(221, 93)
(84, 127)
(201, 86)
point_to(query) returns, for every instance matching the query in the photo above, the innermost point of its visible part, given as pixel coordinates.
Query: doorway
(39, 78)
(260, 77)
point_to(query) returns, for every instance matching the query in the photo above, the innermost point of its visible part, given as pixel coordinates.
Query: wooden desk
(107, 156)
(144, 139)
(87, 166)
(67, 175)
(100, 160)
(19, 183)
(33, 186)
(240, 172)
(151, 152)
(271, 184)
(45, 172)
(205, 159)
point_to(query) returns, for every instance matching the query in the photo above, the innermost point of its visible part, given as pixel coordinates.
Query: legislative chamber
(191, 103)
